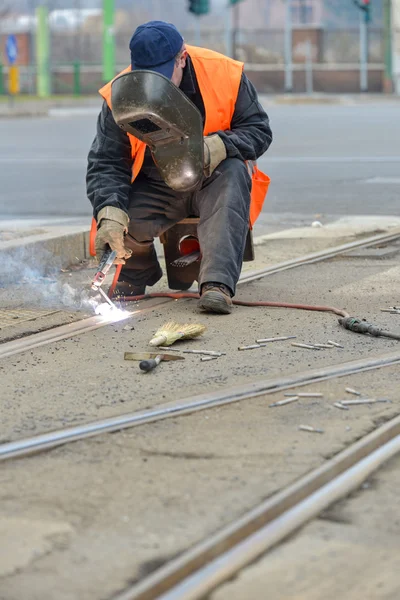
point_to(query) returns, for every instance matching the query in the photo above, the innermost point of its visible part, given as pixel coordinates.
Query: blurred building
(327, 31)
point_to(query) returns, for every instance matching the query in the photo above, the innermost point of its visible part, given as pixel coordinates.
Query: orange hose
(92, 238)
(180, 295)
(114, 281)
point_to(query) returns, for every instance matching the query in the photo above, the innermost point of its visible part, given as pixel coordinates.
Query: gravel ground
(351, 551)
(85, 519)
(86, 377)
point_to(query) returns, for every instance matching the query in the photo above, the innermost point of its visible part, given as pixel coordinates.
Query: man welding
(132, 204)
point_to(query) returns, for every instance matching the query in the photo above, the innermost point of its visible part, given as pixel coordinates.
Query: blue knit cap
(154, 47)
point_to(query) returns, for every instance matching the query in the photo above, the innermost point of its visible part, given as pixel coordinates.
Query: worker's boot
(215, 298)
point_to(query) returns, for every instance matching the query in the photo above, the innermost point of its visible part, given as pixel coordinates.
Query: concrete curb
(49, 107)
(306, 99)
(92, 104)
(69, 245)
(65, 249)
(335, 99)
(23, 113)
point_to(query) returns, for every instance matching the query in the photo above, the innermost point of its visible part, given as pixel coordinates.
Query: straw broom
(171, 332)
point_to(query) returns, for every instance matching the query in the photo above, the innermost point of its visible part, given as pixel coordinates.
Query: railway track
(62, 332)
(70, 330)
(204, 567)
(52, 439)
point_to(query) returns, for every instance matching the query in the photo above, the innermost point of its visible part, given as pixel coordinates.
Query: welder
(131, 202)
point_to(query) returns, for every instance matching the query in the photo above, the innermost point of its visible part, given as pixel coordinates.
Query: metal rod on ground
(288, 48)
(276, 339)
(284, 402)
(329, 346)
(252, 347)
(341, 406)
(206, 352)
(363, 401)
(335, 344)
(352, 391)
(308, 346)
(310, 429)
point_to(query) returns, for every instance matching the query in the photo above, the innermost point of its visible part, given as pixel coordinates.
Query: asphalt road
(326, 159)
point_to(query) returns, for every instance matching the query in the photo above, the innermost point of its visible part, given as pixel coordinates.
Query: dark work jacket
(109, 171)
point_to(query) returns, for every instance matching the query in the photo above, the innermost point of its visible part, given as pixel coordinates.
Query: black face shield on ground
(150, 107)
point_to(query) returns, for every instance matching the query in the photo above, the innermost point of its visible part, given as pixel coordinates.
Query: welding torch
(105, 264)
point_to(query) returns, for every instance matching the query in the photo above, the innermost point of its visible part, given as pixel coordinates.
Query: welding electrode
(105, 265)
(106, 298)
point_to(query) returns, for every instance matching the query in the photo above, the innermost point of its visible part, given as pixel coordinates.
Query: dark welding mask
(150, 107)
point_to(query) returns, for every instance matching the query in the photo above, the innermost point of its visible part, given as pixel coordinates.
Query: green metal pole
(2, 91)
(388, 47)
(108, 40)
(42, 52)
(77, 78)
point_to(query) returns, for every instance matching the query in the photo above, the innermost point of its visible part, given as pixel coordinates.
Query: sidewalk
(31, 106)
(26, 106)
(67, 239)
(342, 99)
(64, 238)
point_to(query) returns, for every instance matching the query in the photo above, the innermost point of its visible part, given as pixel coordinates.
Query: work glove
(112, 224)
(214, 153)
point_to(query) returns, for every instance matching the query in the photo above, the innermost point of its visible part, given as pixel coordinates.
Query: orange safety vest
(219, 79)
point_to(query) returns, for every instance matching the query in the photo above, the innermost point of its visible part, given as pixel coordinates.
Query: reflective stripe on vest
(219, 79)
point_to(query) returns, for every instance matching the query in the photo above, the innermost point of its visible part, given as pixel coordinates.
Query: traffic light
(199, 7)
(365, 6)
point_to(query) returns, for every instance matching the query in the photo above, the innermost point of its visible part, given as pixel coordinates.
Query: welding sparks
(108, 310)
(111, 313)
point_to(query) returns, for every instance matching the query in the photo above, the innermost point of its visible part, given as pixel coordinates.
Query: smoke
(62, 295)
(38, 272)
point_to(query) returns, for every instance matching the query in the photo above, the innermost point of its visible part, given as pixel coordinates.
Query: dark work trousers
(223, 205)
